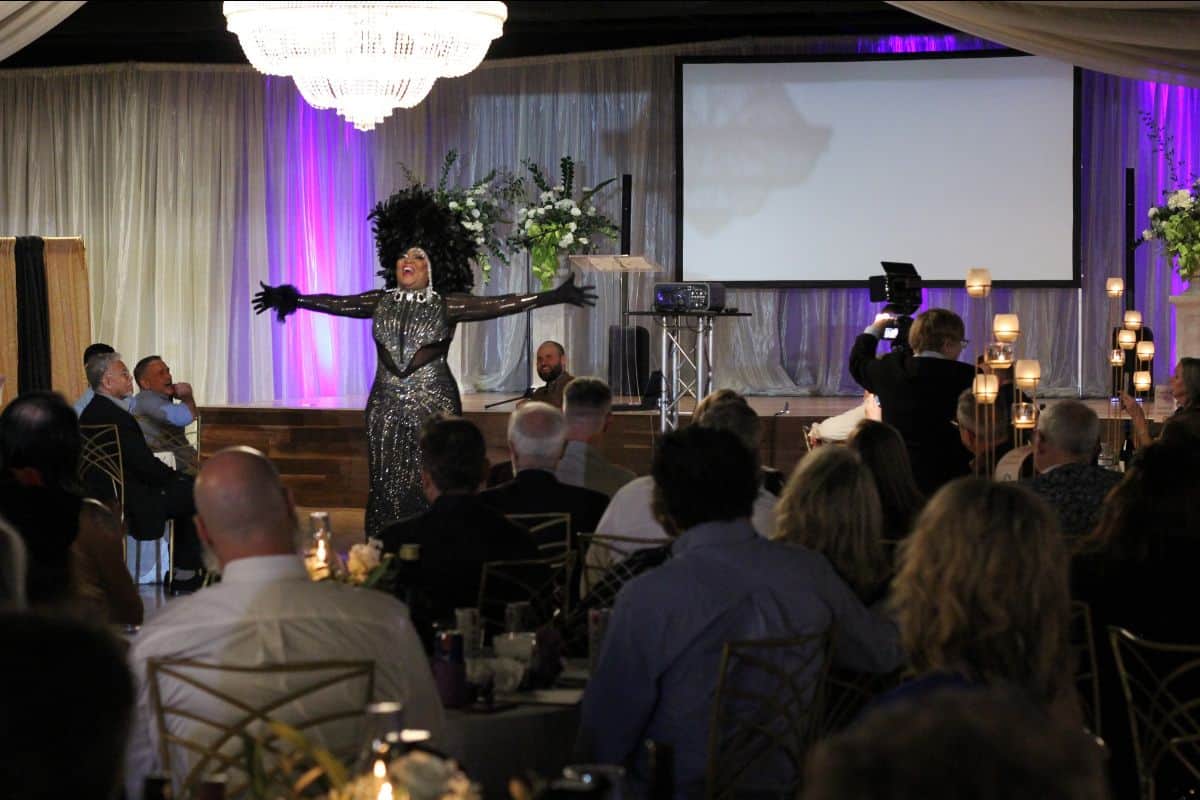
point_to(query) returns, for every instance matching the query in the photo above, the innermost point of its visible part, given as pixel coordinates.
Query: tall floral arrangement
(555, 224)
(1175, 223)
(481, 208)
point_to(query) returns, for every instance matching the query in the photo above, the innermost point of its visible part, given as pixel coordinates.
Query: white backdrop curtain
(22, 22)
(192, 184)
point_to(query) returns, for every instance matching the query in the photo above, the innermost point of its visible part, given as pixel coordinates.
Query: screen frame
(1074, 282)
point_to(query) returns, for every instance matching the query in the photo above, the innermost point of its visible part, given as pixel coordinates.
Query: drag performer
(424, 253)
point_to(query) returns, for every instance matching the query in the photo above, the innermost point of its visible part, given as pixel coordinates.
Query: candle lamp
(1114, 287)
(1145, 351)
(1133, 320)
(1024, 416)
(999, 355)
(1117, 358)
(1141, 381)
(1006, 327)
(1027, 372)
(986, 388)
(1127, 339)
(979, 282)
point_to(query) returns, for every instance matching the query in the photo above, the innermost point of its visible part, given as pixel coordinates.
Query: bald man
(266, 611)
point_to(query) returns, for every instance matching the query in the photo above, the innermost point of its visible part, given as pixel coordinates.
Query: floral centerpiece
(366, 564)
(417, 775)
(480, 208)
(1175, 223)
(556, 224)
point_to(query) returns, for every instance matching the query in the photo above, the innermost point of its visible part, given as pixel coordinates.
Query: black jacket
(537, 491)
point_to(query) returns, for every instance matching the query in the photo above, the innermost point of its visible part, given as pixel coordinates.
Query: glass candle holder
(1141, 381)
(999, 355)
(979, 282)
(1117, 358)
(1133, 320)
(1145, 351)
(1127, 338)
(986, 388)
(1114, 287)
(1024, 416)
(1027, 372)
(1006, 327)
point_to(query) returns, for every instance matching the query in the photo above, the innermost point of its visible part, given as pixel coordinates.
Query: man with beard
(552, 368)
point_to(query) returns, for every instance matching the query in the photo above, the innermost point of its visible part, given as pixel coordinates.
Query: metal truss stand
(687, 367)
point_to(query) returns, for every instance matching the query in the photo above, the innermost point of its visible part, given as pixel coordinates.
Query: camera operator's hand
(881, 321)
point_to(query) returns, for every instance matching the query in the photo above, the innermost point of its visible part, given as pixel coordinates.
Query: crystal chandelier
(362, 58)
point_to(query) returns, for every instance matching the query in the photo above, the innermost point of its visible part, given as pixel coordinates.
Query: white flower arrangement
(418, 776)
(1175, 223)
(554, 224)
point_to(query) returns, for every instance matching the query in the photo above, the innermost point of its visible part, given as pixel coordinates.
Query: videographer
(918, 389)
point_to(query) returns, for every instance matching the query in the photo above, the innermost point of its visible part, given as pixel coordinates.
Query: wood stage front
(320, 446)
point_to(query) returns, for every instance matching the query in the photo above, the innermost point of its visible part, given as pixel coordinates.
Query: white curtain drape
(23, 22)
(190, 185)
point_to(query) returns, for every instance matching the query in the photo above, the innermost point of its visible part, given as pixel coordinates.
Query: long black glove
(283, 299)
(568, 292)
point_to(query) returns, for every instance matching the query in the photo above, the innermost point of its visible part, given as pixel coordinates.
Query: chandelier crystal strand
(365, 59)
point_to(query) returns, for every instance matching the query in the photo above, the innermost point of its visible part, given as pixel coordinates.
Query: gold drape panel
(69, 312)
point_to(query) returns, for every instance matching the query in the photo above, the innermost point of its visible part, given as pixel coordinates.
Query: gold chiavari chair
(1087, 675)
(765, 715)
(541, 582)
(221, 729)
(600, 554)
(551, 530)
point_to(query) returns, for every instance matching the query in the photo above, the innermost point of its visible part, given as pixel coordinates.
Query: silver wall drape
(191, 184)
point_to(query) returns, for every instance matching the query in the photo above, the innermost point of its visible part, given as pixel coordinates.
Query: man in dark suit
(918, 392)
(1064, 448)
(154, 492)
(536, 436)
(458, 533)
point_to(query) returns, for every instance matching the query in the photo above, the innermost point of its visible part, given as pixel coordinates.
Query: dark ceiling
(189, 31)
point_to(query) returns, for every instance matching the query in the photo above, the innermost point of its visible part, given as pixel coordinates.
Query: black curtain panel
(33, 316)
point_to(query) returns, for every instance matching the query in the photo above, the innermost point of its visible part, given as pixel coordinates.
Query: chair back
(212, 718)
(1015, 464)
(764, 715)
(1087, 675)
(847, 694)
(101, 465)
(551, 530)
(1161, 685)
(541, 582)
(602, 554)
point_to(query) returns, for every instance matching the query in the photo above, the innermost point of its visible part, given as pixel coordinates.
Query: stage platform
(319, 445)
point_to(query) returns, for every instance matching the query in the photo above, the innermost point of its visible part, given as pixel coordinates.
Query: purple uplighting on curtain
(319, 190)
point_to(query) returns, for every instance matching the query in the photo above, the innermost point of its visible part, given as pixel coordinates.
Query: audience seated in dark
(74, 543)
(536, 434)
(831, 507)
(918, 392)
(983, 745)
(982, 598)
(1137, 570)
(658, 668)
(66, 712)
(882, 450)
(1185, 386)
(458, 533)
(1064, 451)
(154, 492)
(94, 349)
(985, 430)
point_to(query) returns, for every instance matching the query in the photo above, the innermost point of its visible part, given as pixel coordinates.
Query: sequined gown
(412, 334)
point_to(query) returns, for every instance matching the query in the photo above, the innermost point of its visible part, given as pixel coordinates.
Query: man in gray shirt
(161, 418)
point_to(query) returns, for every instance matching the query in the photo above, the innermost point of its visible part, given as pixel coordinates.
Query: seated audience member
(882, 450)
(1136, 570)
(552, 368)
(12, 568)
(67, 709)
(918, 392)
(657, 672)
(991, 744)
(95, 349)
(154, 492)
(1064, 448)
(1185, 386)
(458, 533)
(630, 516)
(75, 543)
(982, 597)
(587, 409)
(161, 418)
(985, 448)
(536, 433)
(267, 612)
(830, 506)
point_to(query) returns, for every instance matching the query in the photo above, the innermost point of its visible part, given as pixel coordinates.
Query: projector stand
(687, 371)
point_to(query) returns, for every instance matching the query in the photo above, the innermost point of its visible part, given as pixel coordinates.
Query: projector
(689, 297)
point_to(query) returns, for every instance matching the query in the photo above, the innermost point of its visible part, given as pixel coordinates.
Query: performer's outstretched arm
(286, 299)
(471, 308)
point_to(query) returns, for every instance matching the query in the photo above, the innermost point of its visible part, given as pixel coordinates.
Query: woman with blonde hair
(830, 505)
(982, 598)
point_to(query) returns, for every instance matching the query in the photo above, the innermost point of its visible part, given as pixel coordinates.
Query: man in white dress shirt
(630, 515)
(266, 611)
(587, 410)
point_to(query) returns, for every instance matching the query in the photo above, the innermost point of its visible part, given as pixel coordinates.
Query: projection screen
(810, 173)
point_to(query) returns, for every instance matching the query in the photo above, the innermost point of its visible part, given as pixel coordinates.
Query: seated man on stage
(154, 492)
(552, 368)
(161, 418)
(94, 349)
